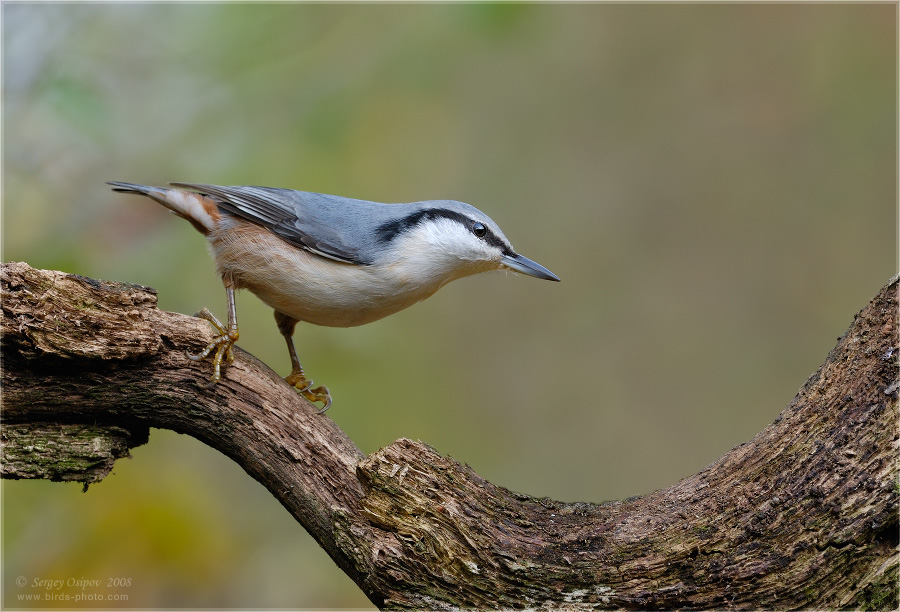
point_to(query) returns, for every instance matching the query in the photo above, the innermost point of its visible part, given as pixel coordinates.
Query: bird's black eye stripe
(482, 231)
(390, 230)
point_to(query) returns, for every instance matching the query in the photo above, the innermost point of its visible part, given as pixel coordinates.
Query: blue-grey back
(345, 229)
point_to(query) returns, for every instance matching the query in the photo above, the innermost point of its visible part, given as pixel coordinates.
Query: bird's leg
(297, 378)
(222, 345)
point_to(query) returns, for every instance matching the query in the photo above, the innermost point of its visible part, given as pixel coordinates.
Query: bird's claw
(304, 387)
(319, 394)
(223, 345)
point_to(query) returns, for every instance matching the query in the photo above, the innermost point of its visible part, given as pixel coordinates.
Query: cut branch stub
(78, 317)
(65, 452)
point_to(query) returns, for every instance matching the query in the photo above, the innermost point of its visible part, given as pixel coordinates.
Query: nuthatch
(330, 260)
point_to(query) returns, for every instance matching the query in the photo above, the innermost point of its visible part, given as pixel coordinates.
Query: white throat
(437, 252)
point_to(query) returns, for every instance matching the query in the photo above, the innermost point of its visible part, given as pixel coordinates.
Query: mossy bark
(805, 515)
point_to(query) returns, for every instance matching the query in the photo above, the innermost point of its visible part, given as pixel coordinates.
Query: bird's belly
(308, 287)
(335, 298)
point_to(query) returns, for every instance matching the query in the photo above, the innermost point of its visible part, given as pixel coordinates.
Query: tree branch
(803, 515)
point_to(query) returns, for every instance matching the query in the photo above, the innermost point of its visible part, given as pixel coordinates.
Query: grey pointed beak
(524, 265)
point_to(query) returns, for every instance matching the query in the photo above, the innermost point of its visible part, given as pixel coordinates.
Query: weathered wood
(64, 451)
(805, 515)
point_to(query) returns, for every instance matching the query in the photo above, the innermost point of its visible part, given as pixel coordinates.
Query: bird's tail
(201, 211)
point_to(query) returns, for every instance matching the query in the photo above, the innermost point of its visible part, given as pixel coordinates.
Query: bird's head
(448, 240)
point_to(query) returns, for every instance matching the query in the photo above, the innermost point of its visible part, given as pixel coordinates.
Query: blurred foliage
(715, 185)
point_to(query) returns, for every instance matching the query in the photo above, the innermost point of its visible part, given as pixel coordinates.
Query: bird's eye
(479, 230)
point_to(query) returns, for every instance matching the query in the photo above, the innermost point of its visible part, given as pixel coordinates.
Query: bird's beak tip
(522, 264)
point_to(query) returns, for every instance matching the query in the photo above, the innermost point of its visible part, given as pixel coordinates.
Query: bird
(330, 260)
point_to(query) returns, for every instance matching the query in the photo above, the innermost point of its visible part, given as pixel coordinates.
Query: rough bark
(805, 515)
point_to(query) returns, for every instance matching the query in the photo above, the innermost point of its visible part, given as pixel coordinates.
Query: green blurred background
(714, 184)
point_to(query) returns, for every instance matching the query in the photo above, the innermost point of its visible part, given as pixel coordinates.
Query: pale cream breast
(308, 287)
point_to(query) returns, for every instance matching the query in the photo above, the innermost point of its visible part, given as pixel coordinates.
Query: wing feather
(279, 210)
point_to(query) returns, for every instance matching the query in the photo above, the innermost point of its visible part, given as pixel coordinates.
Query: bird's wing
(279, 211)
